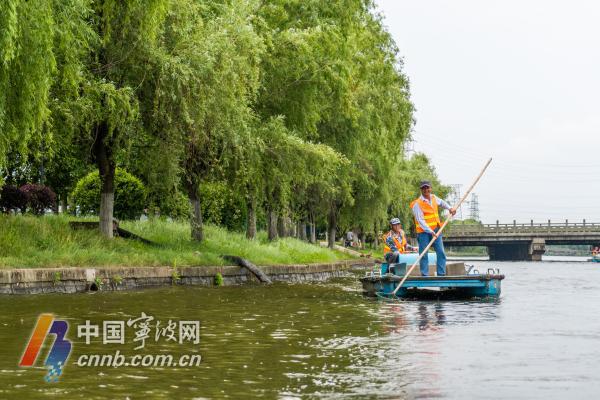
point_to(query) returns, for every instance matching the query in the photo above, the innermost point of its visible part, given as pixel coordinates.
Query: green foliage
(175, 205)
(99, 282)
(175, 277)
(222, 206)
(130, 195)
(27, 65)
(296, 108)
(218, 279)
(117, 279)
(56, 277)
(457, 223)
(332, 71)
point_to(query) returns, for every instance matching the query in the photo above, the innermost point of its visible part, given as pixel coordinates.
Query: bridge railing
(460, 229)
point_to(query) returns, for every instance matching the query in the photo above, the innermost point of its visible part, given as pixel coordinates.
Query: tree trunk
(63, 203)
(313, 227)
(302, 230)
(55, 209)
(196, 217)
(107, 204)
(376, 238)
(257, 272)
(292, 228)
(331, 226)
(281, 226)
(272, 224)
(251, 219)
(106, 167)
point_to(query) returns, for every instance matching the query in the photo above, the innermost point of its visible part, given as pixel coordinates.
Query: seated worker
(394, 242)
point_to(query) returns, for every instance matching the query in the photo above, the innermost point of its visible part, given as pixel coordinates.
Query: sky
(518, 81)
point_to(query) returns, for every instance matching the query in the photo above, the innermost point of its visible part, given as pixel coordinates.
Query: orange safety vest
(430, 212)
(401, 245)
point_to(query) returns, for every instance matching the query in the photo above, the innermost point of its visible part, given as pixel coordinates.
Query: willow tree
(344, 82)
(248, 178)
(231, 54)
(289, 165)
(383, 124)
(205, 79)
(117, 60)
(296, 71)
(44, 47)
(27, 66)
(366, 115)
(325, 176)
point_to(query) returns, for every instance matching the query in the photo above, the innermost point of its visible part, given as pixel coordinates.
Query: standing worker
(427, 223)
(394, 242)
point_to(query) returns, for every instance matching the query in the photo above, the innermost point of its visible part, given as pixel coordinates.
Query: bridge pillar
(525, 251)
(537, 248)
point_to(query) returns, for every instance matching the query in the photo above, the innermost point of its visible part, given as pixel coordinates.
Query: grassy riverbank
(27, 241)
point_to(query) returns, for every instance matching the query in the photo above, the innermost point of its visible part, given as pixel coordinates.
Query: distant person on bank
(428, 223)
(349, 239)
(394, 242)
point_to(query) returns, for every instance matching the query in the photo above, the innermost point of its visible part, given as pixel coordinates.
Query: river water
(539, 340)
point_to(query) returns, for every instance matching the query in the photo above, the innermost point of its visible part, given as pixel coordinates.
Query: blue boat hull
(463, 286)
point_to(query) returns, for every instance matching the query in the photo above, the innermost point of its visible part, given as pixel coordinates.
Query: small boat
(459, 284)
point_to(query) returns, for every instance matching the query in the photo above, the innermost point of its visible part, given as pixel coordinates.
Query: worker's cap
(424, 184)
(395, 221)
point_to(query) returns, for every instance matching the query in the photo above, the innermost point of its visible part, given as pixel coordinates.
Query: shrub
(174, 204)
(11, 198)
(38, 197)
(222, 206)
(130, 195)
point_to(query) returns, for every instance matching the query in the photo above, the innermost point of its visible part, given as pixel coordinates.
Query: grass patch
(48, 241)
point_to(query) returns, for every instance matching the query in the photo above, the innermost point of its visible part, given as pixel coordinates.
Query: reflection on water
(328, 341)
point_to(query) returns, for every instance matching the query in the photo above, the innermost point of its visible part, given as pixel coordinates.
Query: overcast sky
(518, 81)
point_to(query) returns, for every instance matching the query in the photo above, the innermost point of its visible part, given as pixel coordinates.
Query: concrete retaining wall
(73, 280)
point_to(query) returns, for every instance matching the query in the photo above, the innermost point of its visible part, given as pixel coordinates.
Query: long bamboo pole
(441, 228)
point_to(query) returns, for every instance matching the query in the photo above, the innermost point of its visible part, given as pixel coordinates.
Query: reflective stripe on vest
(430, 214)
(401, 245)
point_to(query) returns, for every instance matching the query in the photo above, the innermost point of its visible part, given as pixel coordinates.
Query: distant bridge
(522, 241)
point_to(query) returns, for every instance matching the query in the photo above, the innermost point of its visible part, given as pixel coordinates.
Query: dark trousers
(424, 238)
